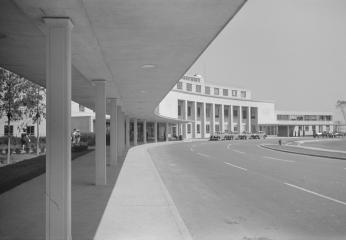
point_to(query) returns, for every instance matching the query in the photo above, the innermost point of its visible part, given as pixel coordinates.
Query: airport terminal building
(207, 109)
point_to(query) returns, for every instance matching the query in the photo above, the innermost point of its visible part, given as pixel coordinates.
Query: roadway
(238, 190)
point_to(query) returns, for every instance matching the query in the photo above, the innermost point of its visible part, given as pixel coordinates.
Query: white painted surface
(100, 132)
(58, 156)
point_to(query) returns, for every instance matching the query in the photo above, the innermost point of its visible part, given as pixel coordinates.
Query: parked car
(214, 138)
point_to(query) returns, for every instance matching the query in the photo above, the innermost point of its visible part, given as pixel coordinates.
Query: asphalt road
(238, 190)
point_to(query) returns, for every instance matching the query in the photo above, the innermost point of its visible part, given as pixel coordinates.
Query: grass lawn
(14, 174)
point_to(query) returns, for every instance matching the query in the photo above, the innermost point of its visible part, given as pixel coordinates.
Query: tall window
(225, 112)
(207, 128)
(188, 128)
(189, 111)
(198, 88)
(198, 128)
(179, 110)
(207, 112)
(81, 108)
(189, 87)
(243, 94)
(306, 128)
(179, 85)
(234, 93)
(225, 92)
(217, 127)
(30, 130)
(198, 111)
(217, 112)
(244, 114)
(207, 90)
(216, 91)
(235, 113)
(6, 130)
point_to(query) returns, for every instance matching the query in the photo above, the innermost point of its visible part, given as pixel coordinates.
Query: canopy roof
(142, 48)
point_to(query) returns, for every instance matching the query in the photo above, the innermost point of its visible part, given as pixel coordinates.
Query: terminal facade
(208, 109)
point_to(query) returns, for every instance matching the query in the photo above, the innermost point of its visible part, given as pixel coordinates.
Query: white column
(120, 128)
(230, 115)
(155, 131)
(222, 119)
(194, 130)
(240, 120)
(167, 128)
(114, 132)
(185, 118)
(145, 131)
(100, 132)
(58, 156)
(127, 132)
(249, 119)
(135, 132)
(212, 124)
(204, 119)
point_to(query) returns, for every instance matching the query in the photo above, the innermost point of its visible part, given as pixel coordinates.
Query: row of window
(304, 117)
(198, 89)
(30, 130)
(217, 112)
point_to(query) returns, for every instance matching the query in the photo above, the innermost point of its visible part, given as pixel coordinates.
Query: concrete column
(222, 119)
(179, 129)
(167, 128)
(58, 156)
(185, 118)
(230, 124)
(288, 131)
(135, 132)
(155, 131)
(100, 132)
(212, 124)
(145, 131)
(249, 119)
(194, 130)
(240, 120)
(120, 128)
(127, 132)
(204, 119)
(114, 132)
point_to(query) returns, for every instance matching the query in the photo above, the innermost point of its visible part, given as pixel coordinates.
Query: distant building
(211, 108)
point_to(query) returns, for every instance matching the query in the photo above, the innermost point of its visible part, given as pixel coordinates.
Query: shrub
(82, 146)
(89, 138)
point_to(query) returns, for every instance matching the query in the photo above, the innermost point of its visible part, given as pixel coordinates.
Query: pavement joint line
(237, 151)
(315, 193)
(244, 169)
(278, 159)
(203, 155)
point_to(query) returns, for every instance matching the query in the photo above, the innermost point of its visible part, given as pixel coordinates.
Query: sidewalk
(309, 151)
(138, 206)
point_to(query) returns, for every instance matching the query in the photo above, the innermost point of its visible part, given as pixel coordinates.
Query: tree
(11, 104)
(35, 107)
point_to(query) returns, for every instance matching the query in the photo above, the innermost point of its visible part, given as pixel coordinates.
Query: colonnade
(208, 118)
(58, 156)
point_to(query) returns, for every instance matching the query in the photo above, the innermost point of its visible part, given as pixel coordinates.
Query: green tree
(11, 101)
(34, 100)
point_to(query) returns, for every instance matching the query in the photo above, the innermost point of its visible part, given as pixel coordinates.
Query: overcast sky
(289, 51)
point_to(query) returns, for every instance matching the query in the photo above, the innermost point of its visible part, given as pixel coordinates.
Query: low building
(212, 109)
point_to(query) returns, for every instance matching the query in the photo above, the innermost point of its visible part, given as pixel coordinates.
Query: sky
(292, 52)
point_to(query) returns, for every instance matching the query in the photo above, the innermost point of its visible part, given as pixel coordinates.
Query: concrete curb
(140, 206)
(300, 153)
(178, 219)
